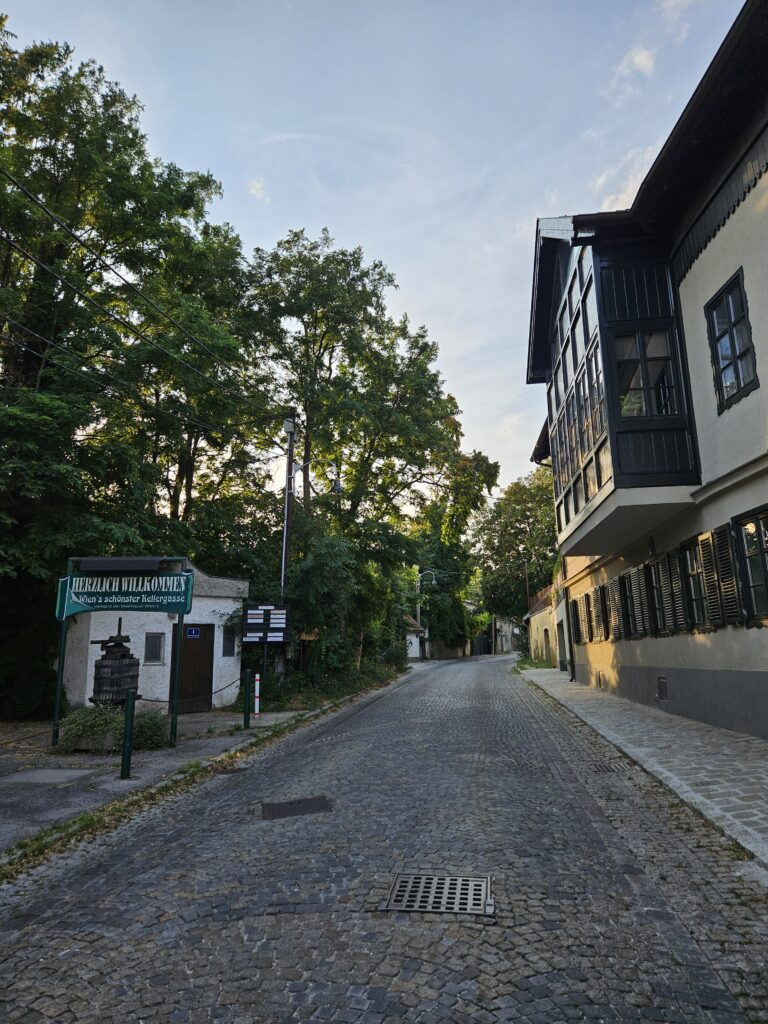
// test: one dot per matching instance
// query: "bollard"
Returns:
(247, 699)
(130, 707)
(256, 693)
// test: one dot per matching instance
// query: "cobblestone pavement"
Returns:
(723, 773)
(615, 901)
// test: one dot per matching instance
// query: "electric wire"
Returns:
(118, 319)
(129, 284)
(97, 376)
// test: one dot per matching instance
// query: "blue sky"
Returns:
(431, 132)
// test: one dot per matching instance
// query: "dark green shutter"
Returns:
(618, 627)
(598, 613)
(711, 585)
(676, 584)
(729, 586)
(575, 628)
(666, 595)
(640, 600)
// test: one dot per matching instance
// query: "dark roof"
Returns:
(541, 450)
(727, 110)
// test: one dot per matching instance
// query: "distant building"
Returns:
(211, 652)
(649, 328)
(416, 639)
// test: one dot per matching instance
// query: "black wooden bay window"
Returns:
(645, 376)
(730, 339)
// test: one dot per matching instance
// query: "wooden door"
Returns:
(196, 667)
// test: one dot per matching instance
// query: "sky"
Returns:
(432, 133)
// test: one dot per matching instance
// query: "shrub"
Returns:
(100, 729)
(150, 730)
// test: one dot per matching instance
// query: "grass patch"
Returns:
(531, 663)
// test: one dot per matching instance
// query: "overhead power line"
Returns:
(119, 320)
(129, 284)
(99, 376)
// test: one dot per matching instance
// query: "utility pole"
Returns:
(289, 426)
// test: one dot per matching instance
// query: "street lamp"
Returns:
(289, 427)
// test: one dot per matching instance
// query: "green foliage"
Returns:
(127, 432)
(100, 728)
(514, 537)
(150, 730)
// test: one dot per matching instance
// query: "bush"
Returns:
(150, 730)
(100, 729)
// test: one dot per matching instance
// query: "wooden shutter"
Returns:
(666, 595)
(726, 572)
(575, 627)
(711, 584)
(583, 620)
(617, 611)
(640, 600)
(597, 610)
(678, 598)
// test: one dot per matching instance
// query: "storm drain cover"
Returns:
(293, 808)
(613, 766)
(442, 894)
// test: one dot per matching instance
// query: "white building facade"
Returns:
(211, 648)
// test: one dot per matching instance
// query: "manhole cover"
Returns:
(292, 808)
(442, 894)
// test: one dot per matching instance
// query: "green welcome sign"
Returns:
(138, 592)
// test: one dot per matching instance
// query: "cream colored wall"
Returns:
(727, 650)
(538, 623)
(741, 432)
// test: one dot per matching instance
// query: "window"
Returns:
(228, 642)
(656, 598)
(730, 338)
(605, 611)
(590, 481)
(590, 311)
(644, 372)
(694, 585)
(583, 413)
(754, 537)
(628, 606)
(573, 295)
(604, 468)
(597, 395)
(154, 648)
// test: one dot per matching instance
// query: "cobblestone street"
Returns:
(614, 901)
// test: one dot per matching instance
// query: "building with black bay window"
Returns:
(649, 328)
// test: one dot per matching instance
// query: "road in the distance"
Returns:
(614, 901)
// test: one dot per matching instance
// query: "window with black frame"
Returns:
(694, 584)
(655, 597)
(645, 374)
(730, 338)
(754, 538)
(628, 604)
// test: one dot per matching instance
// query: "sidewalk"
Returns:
(722, 773)
(39, 787)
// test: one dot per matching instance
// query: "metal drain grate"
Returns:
(442, 894)
(613, 766)
(293, 808)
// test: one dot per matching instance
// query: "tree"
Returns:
(517, 535)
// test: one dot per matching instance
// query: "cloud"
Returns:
(672, 16)
(258, 188)
(618, 184)
(638, 61)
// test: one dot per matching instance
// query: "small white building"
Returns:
(210, 675)
(416, 639)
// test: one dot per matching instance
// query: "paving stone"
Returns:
(614, 900)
